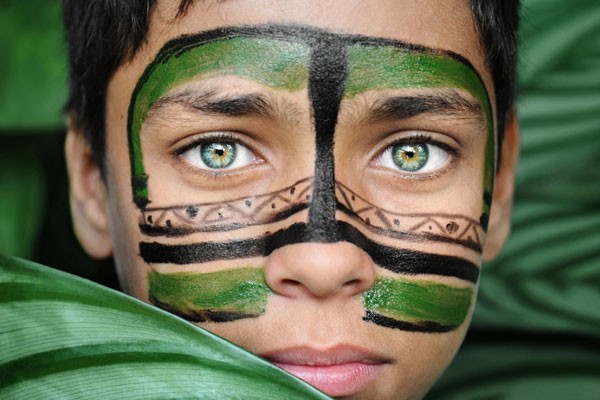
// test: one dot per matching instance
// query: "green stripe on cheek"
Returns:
(274, 63)
(385, 67)
(419, 302)
(242, 291)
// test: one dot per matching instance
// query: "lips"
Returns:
(339, 371)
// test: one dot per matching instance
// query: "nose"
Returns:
(319, 270)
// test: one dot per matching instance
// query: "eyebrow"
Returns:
(212, 102)
(403, 107)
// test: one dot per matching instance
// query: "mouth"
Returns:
(338, 371)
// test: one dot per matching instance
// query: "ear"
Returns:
(87, 196)
(500, 214)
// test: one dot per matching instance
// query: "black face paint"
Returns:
(331, 58)
(243, 212)
(388, 322)
(228, 215)
(397, 260)
(328, 68)
(204, 315)
(444, 228)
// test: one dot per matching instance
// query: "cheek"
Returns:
(124, 215)
(125, 235)
(427, 359)
(220, 296)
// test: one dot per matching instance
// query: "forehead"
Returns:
(445, 25)
(291, 57)
(282, 57)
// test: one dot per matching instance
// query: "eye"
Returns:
(219, 155)
(414, 157)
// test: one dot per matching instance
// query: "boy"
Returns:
(312, 181)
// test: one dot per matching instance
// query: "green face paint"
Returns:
(242, 292)
(217, 296)
(378, 67)
(329, 67)
(274, 63)
(418, 303)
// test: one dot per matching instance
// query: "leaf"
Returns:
(547, 277)
(22, 196)
(517, 367)
(63, 337)
(33, 71)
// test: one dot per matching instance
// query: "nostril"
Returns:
(353, 282)
(355, 286)
(290, 282)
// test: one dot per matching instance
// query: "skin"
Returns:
(323, 286)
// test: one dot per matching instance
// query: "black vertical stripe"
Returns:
(327, 75)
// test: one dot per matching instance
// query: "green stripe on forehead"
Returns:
(380, 67)
(385, 67)
(274, 63)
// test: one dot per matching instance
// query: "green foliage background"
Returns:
(536, 328)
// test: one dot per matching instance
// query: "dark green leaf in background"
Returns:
(33, 66)
(548, 276)
(21, 196)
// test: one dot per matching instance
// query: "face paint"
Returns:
(227, 215)
(279, 205)
(216, 296)
(326, 87)
(376, 66)
(447, 228)
(397, 260)
(331, 68)
(417, 305)
(207, 56)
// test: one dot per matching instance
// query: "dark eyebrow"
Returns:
(402, 107)
(211, 103)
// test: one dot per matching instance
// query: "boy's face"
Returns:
(311, 180)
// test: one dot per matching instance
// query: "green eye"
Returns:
(415, 158)
(410, 157)
(218, 155)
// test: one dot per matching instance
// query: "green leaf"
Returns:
(33, 71)
(547, 277)
(22, 196)
(506, 367)
(63, 337)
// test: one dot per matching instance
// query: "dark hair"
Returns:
(104, 34)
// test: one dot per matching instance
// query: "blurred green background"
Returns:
(536, 329)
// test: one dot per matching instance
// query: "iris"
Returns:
(410, 157)
(218, 155)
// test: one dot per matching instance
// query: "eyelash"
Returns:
(207, 138)
(424, 137)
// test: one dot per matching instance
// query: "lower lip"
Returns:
(336, 380)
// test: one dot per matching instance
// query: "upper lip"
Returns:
(336, 355)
